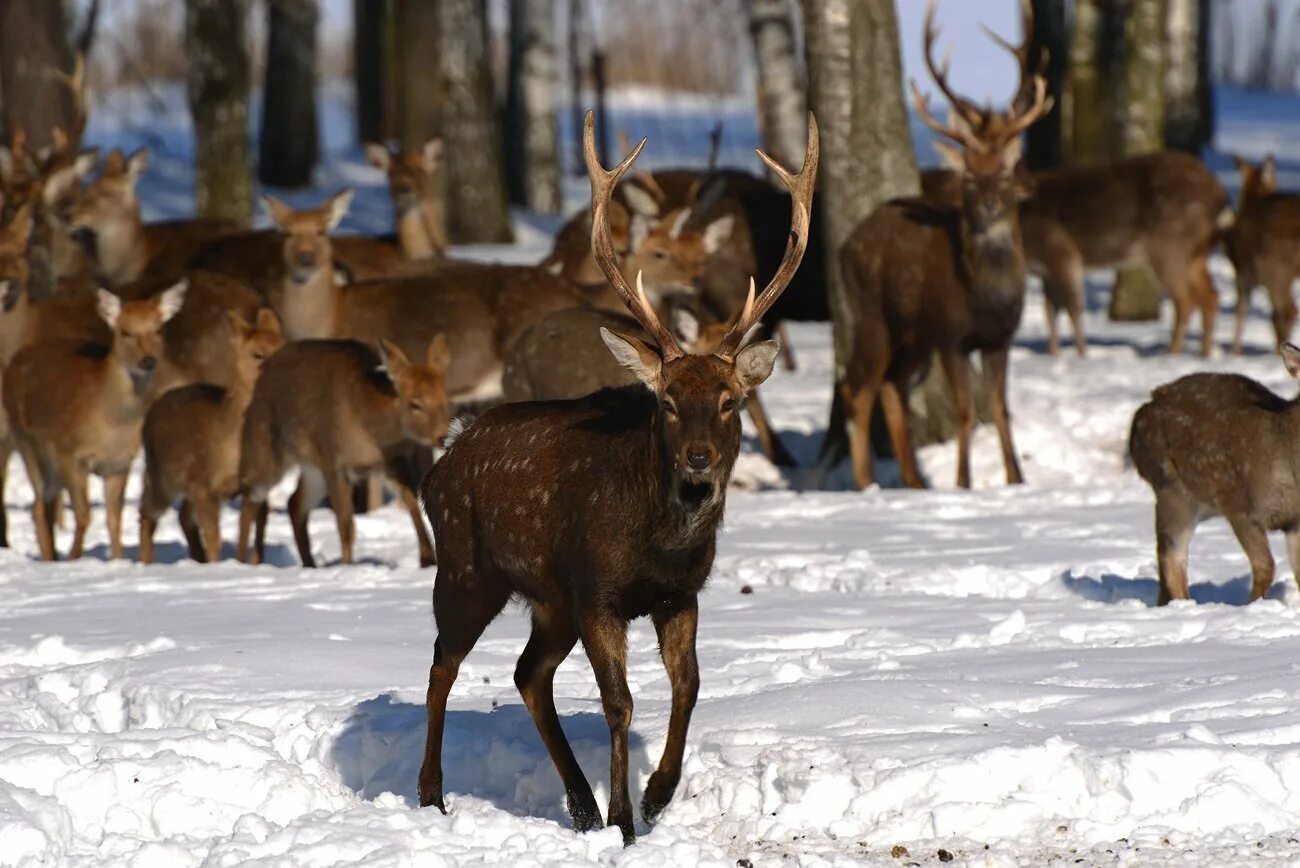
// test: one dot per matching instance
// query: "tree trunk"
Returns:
(1094, 109)
(34, 43)
(477, 211)
(1043, 141)
(1137, 292)
(288, 147)
(218, 96)
(782, 105)
(1189, 120)
(532, 134)
(370, 53)
(856, 91)
(417, 84)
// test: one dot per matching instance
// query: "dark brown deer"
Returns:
(1220, 444)
(562, 356)
(1264, 246)
(625, 491)
(925, 277)
(415, 184)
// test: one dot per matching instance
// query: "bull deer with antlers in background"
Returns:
(622, 495)
(928, 277)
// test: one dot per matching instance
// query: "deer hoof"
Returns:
(585, 814)
(432, 797)
(658, 793)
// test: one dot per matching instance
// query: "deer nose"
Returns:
(148, 363)
(697, 462)
(305, 260)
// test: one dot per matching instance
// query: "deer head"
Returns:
(137, 325)
(254, 342)
(412, 175)
(698, 396)
(421, 388)
(987, 152)
(110, 199)
(1258, 180)
(307, 246)
(15, 264)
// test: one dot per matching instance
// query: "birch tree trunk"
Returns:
(287, 148)
(218, 96)
(33, 42)
(532, 134)
(782, 106)
(1189, 113)
(477, 211)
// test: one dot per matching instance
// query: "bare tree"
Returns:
(1189, 111)
(417, 85)
(1048, 51)
(532, 131)
(370, 55)
(477, 211)
(218, 96)
(33, 45)
(288, 148)
(781, 100)
(1093, 109)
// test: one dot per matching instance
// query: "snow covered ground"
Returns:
(889, 677)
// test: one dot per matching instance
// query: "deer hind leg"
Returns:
(1278, 284)
(995, 364)
(207, 512)
(412, 504)
(956, 367)
(75, 479)
(462, 609)
(1253, 537)
(1245, 286)
(553, 637)
(860, 403)
(676, 630)
(787, 350)
(311, 486)
(1050, 312)
(773, 448)
(1293, 552)
(340, 493)
(193, 530)
(1176, 517)
(893, 398)
(114, 502)
(1206, 297)
(604, 635)
(407, 470)
(44, 479)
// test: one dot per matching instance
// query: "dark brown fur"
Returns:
(1264, 247)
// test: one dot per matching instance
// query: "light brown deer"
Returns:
(416, 186)
(597, 511)
(191, 442)
(1220, 444)
(339, 411)
(1264, 247)
(925, 277)
(125, 247)
(77, 409)
(562, 357)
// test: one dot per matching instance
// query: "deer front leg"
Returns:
(676, 630)
(956, 367)
(114, 500)
(604, 634)
(995, 364)
(340, 492)
(75, 479)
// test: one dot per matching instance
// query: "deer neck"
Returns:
(994, 259)
(310, 308)
(686, 515)
(417, 231)
(124, 394)
(122, 249)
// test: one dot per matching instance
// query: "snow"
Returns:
(975, 676)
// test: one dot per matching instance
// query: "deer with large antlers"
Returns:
(927, 277)
(624, 493)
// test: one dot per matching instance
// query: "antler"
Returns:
(69, 140)
(801, 188)
(602, 245)
(965, 107)
(1023, 53)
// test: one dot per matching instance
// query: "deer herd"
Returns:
(613, 372)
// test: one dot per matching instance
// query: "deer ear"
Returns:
(338, 207)
(433, 153)
(950, 157)
(717, 233)
(1268, 172)
(267, 321)
(378, 156)
(59, 184)
(171, 301)
(278, 211)
(109, 306)
(395, 360)
(9, 294)
(640, 200)
(85, 162)
(686, 325)
(636, 356)
(1011, 153)
(754, 364)
(1291, 358)
(638, 231)
(136, 165)
(438, 356)
(239, 326)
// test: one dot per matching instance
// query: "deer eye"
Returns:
(661, 254)
(728, 404)
(258, 356)
(670, 408)
(416, 407)
(124, 333)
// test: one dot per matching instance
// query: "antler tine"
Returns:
(602, 245)
(801, 187)
(75, 82)
(1023, 53)
(968, 109)
(1041, 105)
(962, 135)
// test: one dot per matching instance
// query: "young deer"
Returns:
(415, 184)
(1220, 444)
(562, 357)
(1264, 246)
(340, 412)
(925, 277)
(191, 442)
(622, 495)
(125, 247)
(77, 409)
